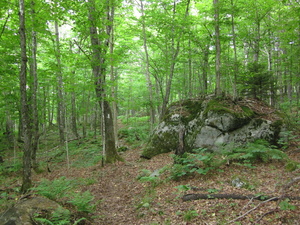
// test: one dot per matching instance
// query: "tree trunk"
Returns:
(113, 88)
(34, 90)
(205, 66)
(73, 115)
(60, 95)
(147, 74)
(218, 48)
(25, 115)
(99, 49)
(9, 130)
(235, 68)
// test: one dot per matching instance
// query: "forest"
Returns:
(85, 82)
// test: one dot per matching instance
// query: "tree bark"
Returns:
(218, 47)
(25, 114)
(114, 86)
(235, 68)
(147, 74)
(73, 115)
(99, 49)
(60, 90)
(34, 90)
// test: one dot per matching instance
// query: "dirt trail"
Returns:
(120, 190)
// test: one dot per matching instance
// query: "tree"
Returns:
(218, 47)
(98, 61)
(34, 89)
(147, 70)
(25, 113)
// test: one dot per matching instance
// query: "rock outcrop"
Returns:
(212, 122)
(25, 210)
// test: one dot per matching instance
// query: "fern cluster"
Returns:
(202, 161)
(63, 190)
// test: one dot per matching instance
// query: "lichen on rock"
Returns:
(211, 122)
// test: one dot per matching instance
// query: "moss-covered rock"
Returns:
(209, 122)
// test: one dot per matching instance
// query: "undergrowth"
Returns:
(201, 161)
(64, 191)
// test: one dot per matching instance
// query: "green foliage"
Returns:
(8, 167)
(55, 189)
(60, 216)
(88, 157)
(63, 188)
(256, 82)
(286, 205)
(202, 162)
(292, 165)
(136, 133)
(259, 150)
(199, 161)
(151, 177)
(286, 138)
(83, 202)
(183, 188)
(188, 215)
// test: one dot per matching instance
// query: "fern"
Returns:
(55, 189)
(83, 202)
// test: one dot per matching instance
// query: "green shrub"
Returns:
(190, 215)
(60, 216)
(201, 161)
(83, 202)
(259, 150)
(55, 189)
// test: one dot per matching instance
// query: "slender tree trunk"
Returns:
(257, 40)
(73, 115)
(25, 114)
(9, 130)
(205, 67)
(175, 48)
(60, 90)
(218, 48)
(147, 74)
(34, 90)
(235, 69)
(113, 88)
(190, 73)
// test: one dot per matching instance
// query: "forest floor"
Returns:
(123, 199)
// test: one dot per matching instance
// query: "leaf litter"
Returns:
(123, 199)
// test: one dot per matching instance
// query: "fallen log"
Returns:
(190, 197)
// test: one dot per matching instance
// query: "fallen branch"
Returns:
(249, 211)
(190, 197)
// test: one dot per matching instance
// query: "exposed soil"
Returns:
(125, 200)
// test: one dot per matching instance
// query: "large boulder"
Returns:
(211, 122)
(26, 209)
